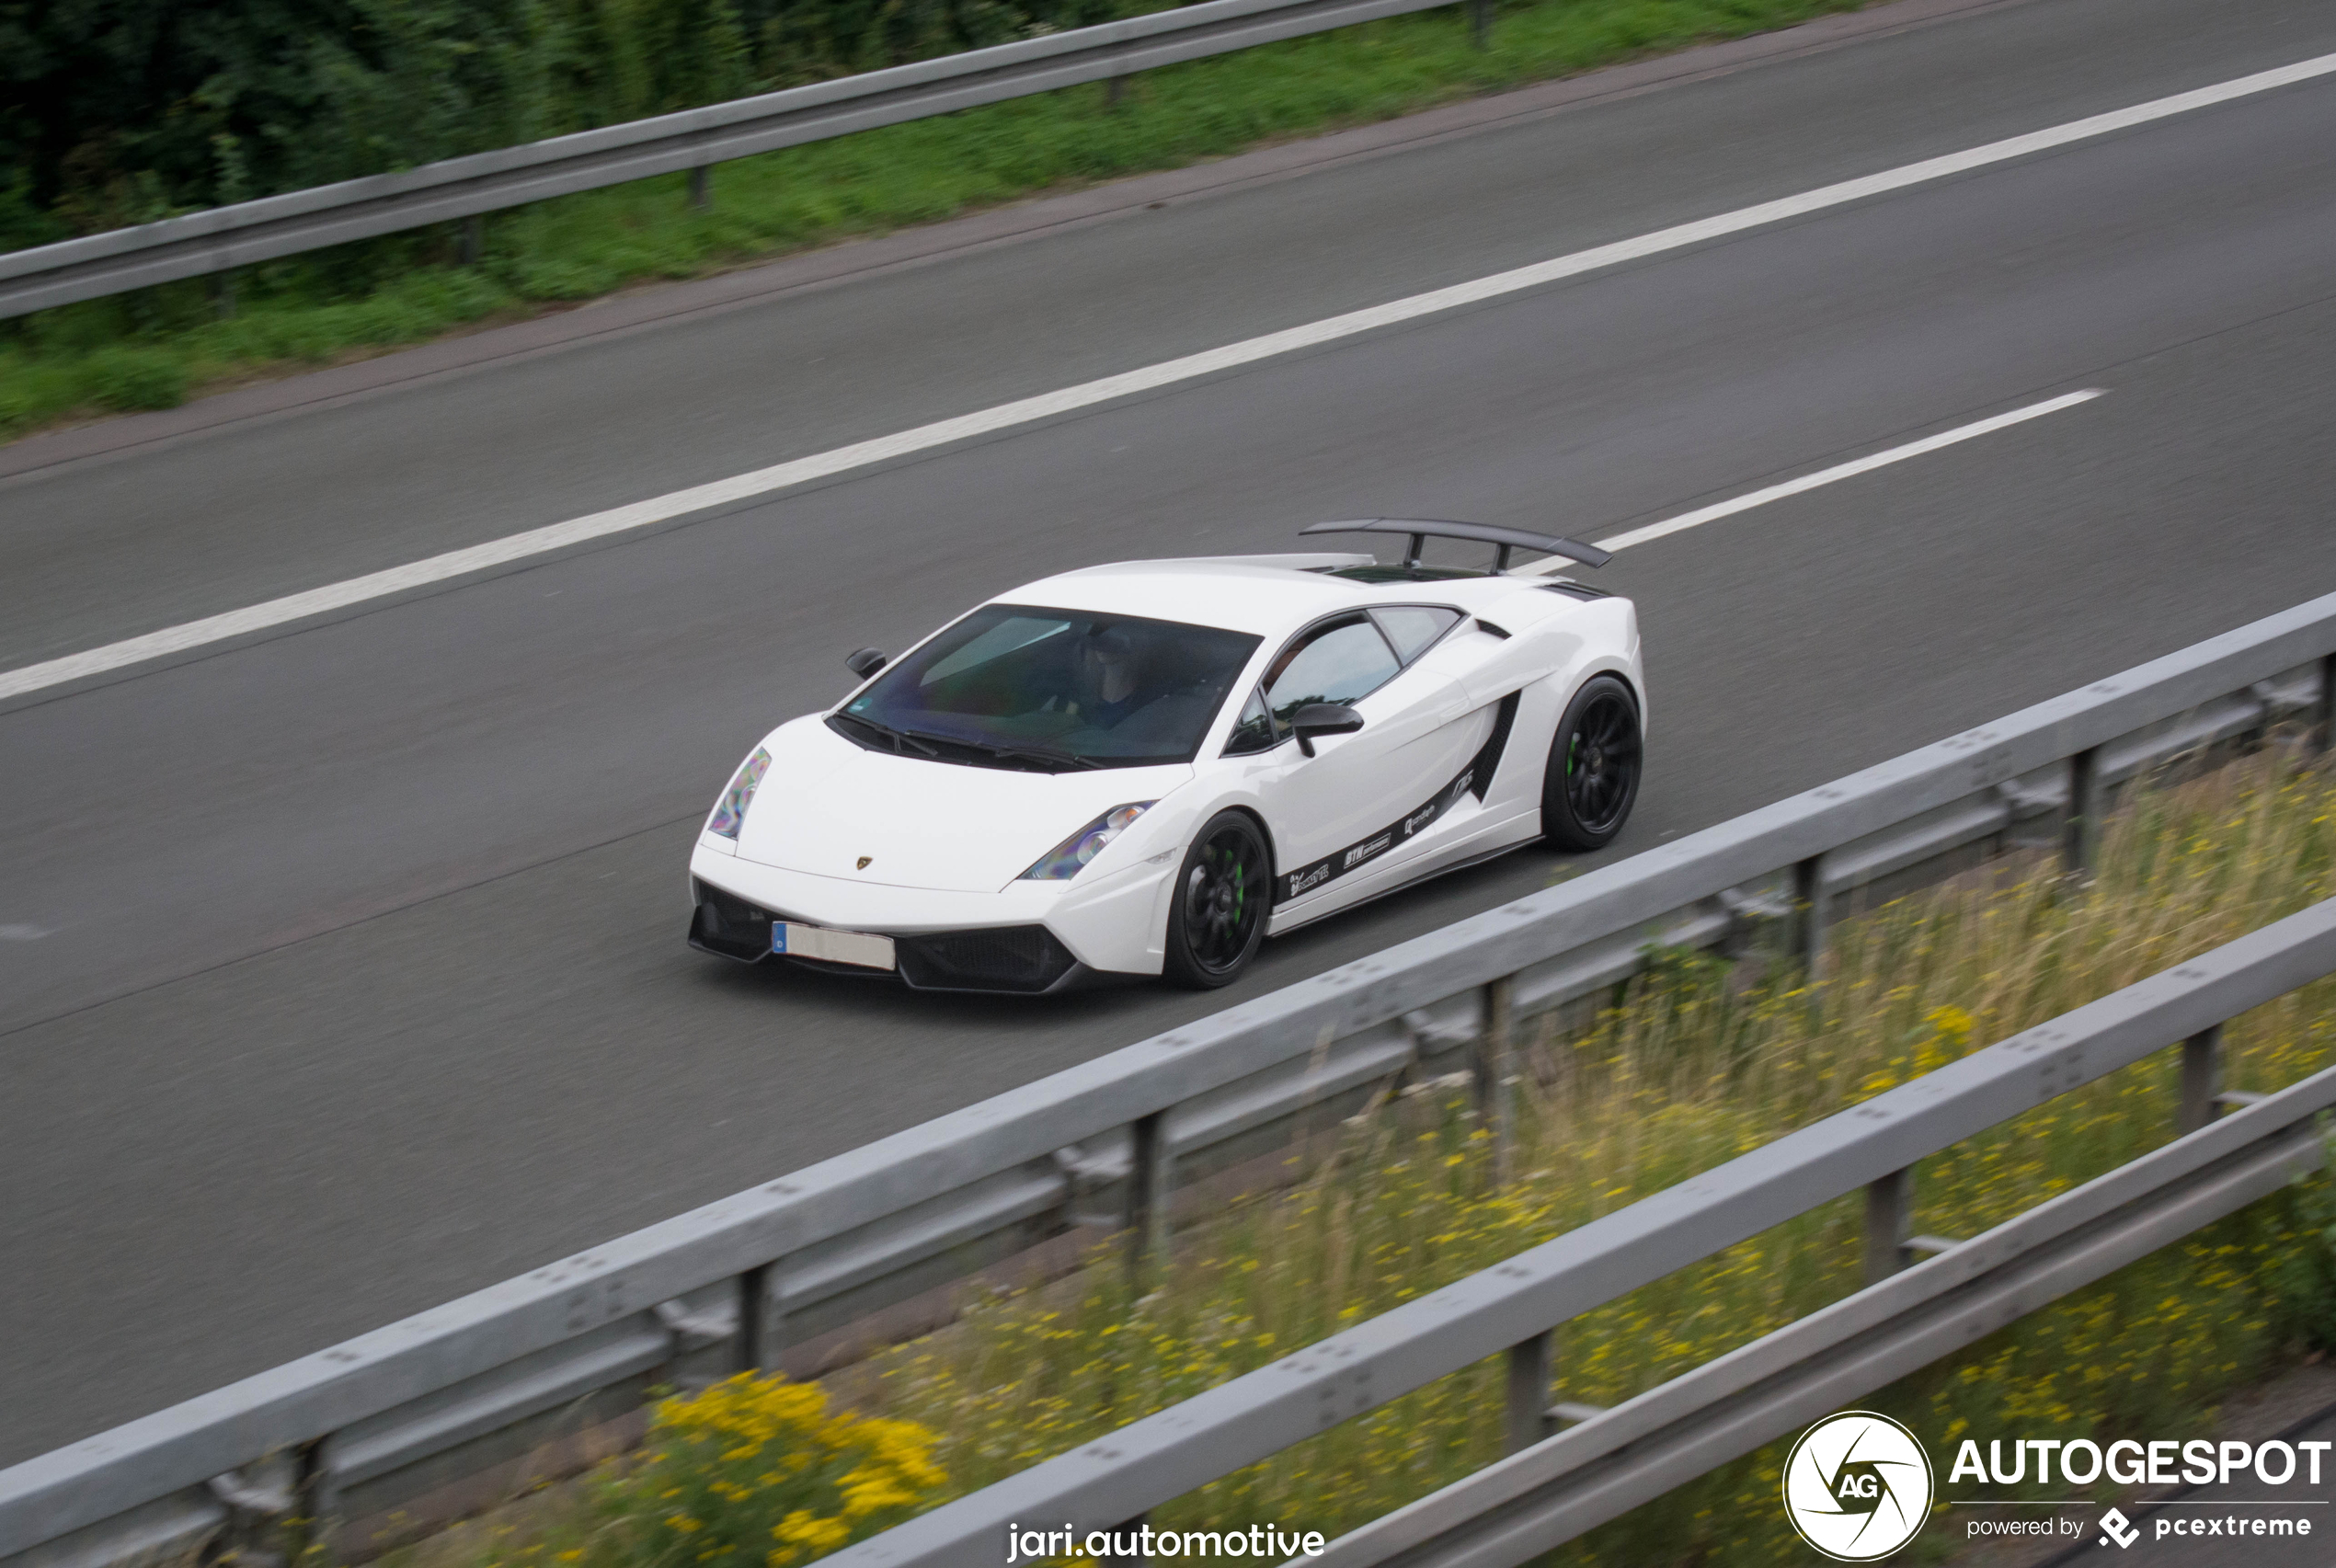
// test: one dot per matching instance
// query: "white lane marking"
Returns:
(1028, 410)
(1850, 470)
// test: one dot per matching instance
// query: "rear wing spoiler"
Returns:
(1421, 529)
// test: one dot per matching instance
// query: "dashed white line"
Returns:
(454, 563)
(1850, 470)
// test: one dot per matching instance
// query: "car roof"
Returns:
(1267, 594)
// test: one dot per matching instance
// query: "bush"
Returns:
(126, 111)
(127, 379)
(756, 1472)
(2308, 1270)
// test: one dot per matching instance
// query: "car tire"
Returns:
(1216, 912)
(1592, 779)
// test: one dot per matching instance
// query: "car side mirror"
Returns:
(865, 662)
(1323, 718)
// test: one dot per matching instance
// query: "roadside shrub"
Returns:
(2309, 1269)
(758, 1472)
(129, 379)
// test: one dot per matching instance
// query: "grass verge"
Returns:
(156, 347)
(1687, 1067)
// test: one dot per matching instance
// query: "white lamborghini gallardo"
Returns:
(1147, 767)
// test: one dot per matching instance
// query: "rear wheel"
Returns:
(1217, 917)
(1593, 776)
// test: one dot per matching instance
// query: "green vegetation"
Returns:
(1688, 1066)
(121, 111)
(760, 1471)
(152, 347)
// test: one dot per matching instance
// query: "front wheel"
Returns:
(1593, 776)
(1217, 917)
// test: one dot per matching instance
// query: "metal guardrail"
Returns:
(1635, 1452)
(225, 237)
(378, 1420)
(1558, 1486)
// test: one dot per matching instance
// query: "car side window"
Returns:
(1341, 662)
(1413, 628)
(1253, 731)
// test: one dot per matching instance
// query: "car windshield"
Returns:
(1016, 686)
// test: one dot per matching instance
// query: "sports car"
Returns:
(1147, 767)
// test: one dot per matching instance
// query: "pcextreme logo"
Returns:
(1857, 1486)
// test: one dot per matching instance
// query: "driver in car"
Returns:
(1110, 676)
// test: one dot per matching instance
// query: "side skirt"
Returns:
(1275, 928)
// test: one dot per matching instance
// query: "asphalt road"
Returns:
(342, 973)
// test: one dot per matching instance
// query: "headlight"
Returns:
(1083, 846)
(729, 812)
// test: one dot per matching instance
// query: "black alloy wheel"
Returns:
(1593, 777)
(1222, 893)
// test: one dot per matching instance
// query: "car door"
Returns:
(1360, 797)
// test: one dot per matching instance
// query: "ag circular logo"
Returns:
(1857, 1486)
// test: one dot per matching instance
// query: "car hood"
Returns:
(826, 805)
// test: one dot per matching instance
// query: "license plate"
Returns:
(864, 948)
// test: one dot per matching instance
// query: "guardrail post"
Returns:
(1151, 1176)
(1496, 1065)
(1889, 1221)
(2080, 828)
(286, 1516)
(471, 241)
(1480, 23)
(2326, 737)
(762, 1318)
(701, 187)
(223, 295)
(1809, 912)
(315, 1500)
(1115, 91)
(2202, 1072)
(1528, 1406)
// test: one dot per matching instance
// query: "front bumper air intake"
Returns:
(727, 926)
(1024, 958)
(1016, 959)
